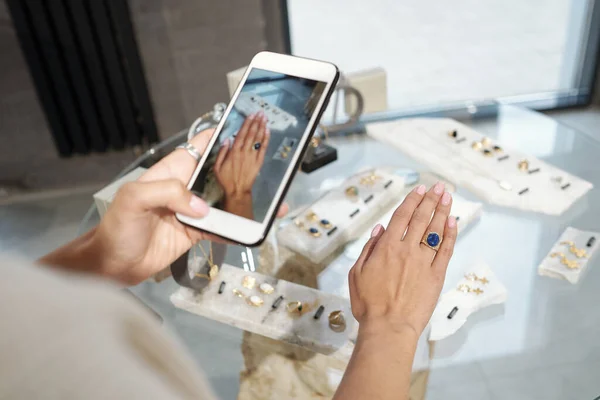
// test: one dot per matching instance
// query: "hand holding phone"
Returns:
(258, 145)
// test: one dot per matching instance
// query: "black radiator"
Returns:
(85, 65)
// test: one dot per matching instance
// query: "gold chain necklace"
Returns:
(214, 269)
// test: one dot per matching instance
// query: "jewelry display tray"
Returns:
(304, 331)
(276, 323)
(348, 215)
(552, 266)
(496, 179)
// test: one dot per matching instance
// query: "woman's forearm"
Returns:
(81, 255)
(381, 365)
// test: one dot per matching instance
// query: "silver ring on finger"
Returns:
(192, 151)
(433, 240)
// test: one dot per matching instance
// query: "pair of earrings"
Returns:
(570, 264)
(579, 253)
(369, 180)
(485, 145)
(249, 282)
(472, 277)
(468, 289)
(312, 217)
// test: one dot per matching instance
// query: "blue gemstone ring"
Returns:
(432, 240)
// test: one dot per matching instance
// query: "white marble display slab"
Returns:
(497, 180)
(350, 216)
(552, 267)
(304, 330)
(492, 292)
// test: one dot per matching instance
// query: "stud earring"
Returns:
(579, 253)
(249, 282)
(453, 133)
(497, 149)
(311, 216)
(314, 232)
(523, 165)
(476, 145)
(487, 153)
(570, 264)
(255, 301)
(299, 223)
(325, 223)
(486, 141)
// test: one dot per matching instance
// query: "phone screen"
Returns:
(261, 134)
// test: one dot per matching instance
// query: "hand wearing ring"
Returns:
(397, 279)
(238, 164)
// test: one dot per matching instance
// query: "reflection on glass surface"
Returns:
(252, 154)
(547, 328)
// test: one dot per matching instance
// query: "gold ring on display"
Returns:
(477, 145)
(352, 191)
(337, 322)
(294, 307)
(266, 288)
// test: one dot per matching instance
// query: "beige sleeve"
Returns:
(65, 337)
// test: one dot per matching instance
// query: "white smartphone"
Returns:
(258, 145)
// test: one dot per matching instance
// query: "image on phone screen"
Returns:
(249, 160)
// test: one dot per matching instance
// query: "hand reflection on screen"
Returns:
(238, 165)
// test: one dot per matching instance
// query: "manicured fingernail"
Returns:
(438, 188)
(267, 132)
(198, 205)
(420, 189)
(451, 222)
(265, 117)
(225, 142)
(446, 198)
(376, 231)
